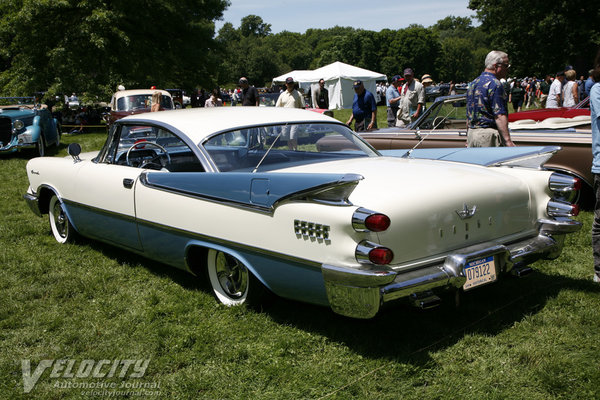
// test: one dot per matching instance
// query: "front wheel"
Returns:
(40, 146)
(231, 281)
(61, 227)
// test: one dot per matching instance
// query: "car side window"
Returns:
(151, 147)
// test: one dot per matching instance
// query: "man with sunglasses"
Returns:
(487, 111)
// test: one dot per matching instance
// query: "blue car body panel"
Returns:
(258, 190)
(483, 156)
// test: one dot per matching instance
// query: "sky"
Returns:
(373, 15)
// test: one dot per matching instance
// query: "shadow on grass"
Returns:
(401, 332)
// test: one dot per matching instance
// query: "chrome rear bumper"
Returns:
(359, 293)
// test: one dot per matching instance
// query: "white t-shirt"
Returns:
(553, 94)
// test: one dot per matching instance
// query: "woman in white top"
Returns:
(570, 96)
(214, 100)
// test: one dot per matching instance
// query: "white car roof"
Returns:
(198, 123)
(133, 92)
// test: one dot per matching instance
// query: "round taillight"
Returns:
(574, 210)
(381, 255)
(577, 184)
(377, 222)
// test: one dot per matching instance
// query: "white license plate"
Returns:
(479, 272)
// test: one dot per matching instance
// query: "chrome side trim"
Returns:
(359, 219)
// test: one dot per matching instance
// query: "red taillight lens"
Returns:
(377, 222)
(575, 210)
(381, 255)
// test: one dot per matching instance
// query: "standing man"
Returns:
(544, 90)
(554, 95)
(320, 97)
(392, 100)
(487, 112)
(595, 114)
(412, 101)
(249, 93)
(292, 99)
(364, 109)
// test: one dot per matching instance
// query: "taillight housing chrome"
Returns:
(364, 220)
(557, 208)
(372, 253)
(564, 187)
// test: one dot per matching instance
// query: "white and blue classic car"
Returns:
(226, 194)
(26, 126)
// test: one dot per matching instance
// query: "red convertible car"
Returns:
(583, 108)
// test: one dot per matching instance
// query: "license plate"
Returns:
(479, 272)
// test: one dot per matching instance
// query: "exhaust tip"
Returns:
(425, 300)
(521, 271)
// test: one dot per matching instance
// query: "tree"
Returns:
(82, 46)
(540, 38)
(253, 25)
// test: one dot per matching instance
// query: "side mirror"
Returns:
(74, 150)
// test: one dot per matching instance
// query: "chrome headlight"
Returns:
(18, 124)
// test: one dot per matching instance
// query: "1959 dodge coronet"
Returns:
(224, 194)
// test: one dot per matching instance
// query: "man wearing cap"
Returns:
(555, 94)
(249, 93)
(292, 99)
(392, 100)
(364, 109)
(487, 111)
(412, 101)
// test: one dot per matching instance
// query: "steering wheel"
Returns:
(439, 123)
(153, 159)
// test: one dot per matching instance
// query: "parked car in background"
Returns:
(25, 125)
(581, 109)
(203, 190)
(136, 101)
(177, 95)
(444, 124)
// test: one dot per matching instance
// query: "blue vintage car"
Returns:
(24, 125)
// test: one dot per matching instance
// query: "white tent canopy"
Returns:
(338, 78)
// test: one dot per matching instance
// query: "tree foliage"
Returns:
(542, 37)
(92, 46)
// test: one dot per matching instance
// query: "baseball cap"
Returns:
(289, 80)
(357, 83)
(395, 78)
(408, 71)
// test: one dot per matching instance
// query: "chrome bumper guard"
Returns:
(360, 292)
(32, 202)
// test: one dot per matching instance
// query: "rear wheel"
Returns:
(231, 281)
(61, 227)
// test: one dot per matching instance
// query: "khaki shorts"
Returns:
(484, 137)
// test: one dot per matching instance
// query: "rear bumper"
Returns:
(359, 293)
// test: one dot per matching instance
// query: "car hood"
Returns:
(424, 198)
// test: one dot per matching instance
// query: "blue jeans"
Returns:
(596, 224)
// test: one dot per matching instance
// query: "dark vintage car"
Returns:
(177, 95)
(25, 125)
(136, 101)
(582, 108)
(444, 124)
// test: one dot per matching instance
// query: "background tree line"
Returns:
(91, 47)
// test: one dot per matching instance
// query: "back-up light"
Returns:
(564, 187)
(364, 220)
(557, 208)
(372, 253)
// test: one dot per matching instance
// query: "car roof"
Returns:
(133, 92)
(199, 123)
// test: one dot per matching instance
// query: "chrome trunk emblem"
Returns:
(466, 212)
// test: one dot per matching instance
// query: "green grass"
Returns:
(531, 338)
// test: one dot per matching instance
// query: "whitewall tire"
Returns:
(61, 227)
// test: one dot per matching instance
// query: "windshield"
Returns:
(447, 114)
(266, 148)
(141, 101)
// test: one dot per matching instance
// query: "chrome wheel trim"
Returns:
(228, 277)
(58, 220)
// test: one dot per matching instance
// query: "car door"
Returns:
(107, 188)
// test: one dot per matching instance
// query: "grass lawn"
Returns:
(531, 338)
